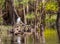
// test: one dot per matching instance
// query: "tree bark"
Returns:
(10, 16)
(24, 14)
(42, 24)
(58, 20)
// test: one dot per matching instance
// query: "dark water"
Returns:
(50, 37)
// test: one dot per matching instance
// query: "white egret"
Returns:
(18, 20)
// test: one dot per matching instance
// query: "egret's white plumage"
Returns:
(18, 20)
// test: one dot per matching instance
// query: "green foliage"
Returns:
(30, 16)
(51, 36)
(51, 6)
(2, 3)
(1, 20)
(40, 5)
(51, 19)
(24, 2)
(16, 3)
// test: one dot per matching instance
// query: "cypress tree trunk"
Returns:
(10, 16)
(58, 25)
(42, 25)
(24, 14)
(27, 11)
(58, 20)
